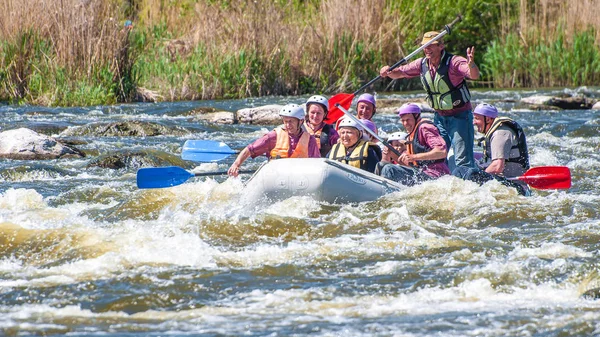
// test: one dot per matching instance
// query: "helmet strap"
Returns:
(485, 124)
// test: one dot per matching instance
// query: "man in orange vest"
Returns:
(288, 141)
(425, 155)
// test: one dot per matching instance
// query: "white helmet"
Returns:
(318, 99)
(292, 110)
(397, 136)
(349, 122)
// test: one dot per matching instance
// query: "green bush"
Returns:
(251, 64)
(542, 62)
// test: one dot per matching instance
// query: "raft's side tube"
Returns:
(319, 178)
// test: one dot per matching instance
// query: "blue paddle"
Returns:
(159, 177)
(205, 150)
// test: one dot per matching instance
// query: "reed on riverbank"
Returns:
(77, 52)
(553, 43)
(67, 52)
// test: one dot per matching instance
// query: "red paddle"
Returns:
(547, 177)
(334, 113)
(345, 100)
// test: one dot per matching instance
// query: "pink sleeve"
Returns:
(430, 135)
(263, 145)
(412, 69)
(459, 69)
(313, 149)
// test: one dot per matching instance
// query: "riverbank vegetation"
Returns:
(77, 52)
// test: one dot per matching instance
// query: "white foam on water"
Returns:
(39, 282)
(135, 247)
(384, 268)
(475, 300)
(396, 217)
(169, 245)
(44, 312)
(10, 264)
(549, 250)
(470, 296)
(28, 209)
(21, 200)
(544, 157)
(465, 255)
(297, 207)
(120, 247)
(206, 167)
(346, 246)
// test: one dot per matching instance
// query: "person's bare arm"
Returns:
(496, 167)
(241, 158)
(433, 154)
(394, 74)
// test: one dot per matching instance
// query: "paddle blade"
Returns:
(333, 114)
(548, 177)
(159, 177)
(205, 150)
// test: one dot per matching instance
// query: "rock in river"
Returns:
(263, 115)
(26, 144)
(136, 159)
(124, 129)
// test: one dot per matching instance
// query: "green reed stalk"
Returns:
(69, 52)
(544, 63)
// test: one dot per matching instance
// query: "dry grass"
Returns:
(545, 18)
(552, 43)
(244, 47)
(308, 38)
(83, 33)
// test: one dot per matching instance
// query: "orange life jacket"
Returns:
(413, 146)
(283, 145)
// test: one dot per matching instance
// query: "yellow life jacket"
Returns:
(358, 157)
(282, 145)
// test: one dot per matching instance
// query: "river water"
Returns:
(84, 252)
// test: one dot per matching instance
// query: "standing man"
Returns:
(443, 77)
(425, 155)
(505, 153)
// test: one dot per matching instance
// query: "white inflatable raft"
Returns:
(319, 178)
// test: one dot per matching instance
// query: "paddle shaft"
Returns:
(447, 30)
(220, 173)
(369, 131)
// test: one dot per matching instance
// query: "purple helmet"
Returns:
(367, 98)
(409, 108)
(371, 127)
(486, 110)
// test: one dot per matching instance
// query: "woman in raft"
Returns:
(352, 149)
